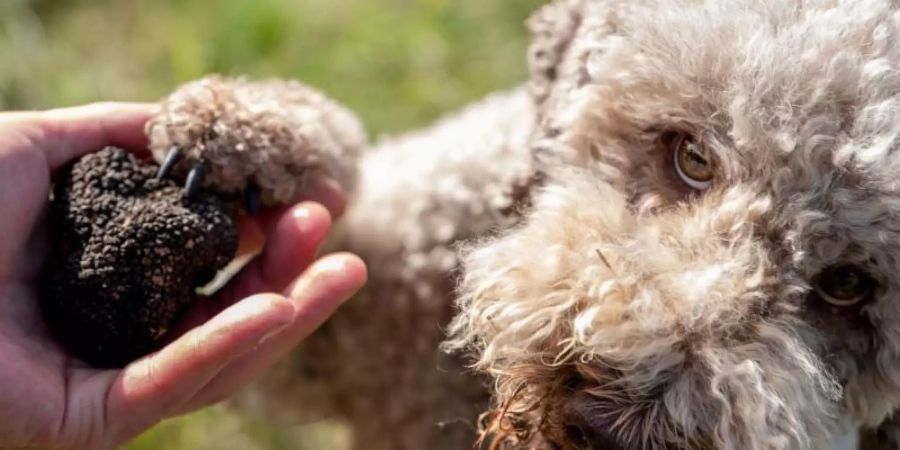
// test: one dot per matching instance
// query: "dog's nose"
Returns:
(589, 438)
(586, 429)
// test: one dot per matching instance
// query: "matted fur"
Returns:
(601, 302)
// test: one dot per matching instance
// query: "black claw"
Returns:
(251, 199)
(195, 179)
(171, 159)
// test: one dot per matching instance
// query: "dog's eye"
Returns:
(693, 163)
(844, 285)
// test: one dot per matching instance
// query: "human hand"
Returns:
(48, 399)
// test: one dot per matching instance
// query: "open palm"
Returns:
(48, 399)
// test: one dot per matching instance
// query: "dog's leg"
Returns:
(377, 362)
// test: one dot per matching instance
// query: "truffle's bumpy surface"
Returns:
(127, 252)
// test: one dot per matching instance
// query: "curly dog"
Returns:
(683, 233)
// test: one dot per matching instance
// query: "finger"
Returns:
(259, 226)
(150, 389)
(321, 190)
(254, 228)
(71, 132)
(316, 295)
(291, 248)
(327, 192)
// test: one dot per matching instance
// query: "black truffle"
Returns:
(128, 251)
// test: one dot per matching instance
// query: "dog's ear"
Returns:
(552, 29)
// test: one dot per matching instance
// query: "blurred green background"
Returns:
(397, 63)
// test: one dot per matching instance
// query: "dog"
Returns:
(682, 233)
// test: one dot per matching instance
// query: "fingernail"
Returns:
(311, 221)
(273, 333)
(328, 193)
(325, 276)
(337, 269)
(301, 212)
(331, 265)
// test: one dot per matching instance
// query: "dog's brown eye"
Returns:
(693, 163)
(844, 285)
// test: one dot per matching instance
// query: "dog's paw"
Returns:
(260, 138)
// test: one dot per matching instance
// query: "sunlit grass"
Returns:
(397, 63)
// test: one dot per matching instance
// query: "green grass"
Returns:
(397, 63)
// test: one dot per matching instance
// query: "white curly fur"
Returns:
(608, 303)
(703, 315)
(668, 310)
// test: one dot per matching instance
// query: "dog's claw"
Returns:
(195, 179)
(171, 159)
(251, 199)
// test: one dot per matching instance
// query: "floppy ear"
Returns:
(552, 29)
